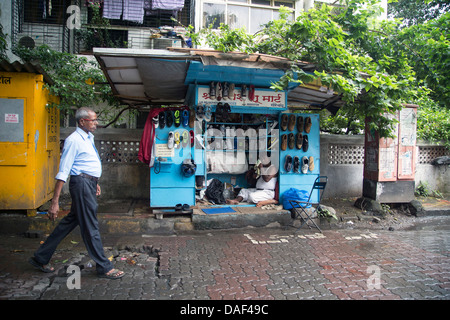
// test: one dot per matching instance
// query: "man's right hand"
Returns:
(54, 206)
(53, 211)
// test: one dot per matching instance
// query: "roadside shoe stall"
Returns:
(222, 118)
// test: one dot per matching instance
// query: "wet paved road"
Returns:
(272, 264)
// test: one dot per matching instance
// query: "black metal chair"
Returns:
(299, 208)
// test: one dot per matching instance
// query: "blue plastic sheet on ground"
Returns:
(218, 210)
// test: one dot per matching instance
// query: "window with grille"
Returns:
(146, 13)
(248, 14)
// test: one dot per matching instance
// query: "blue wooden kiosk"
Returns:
(180, 80)
(261, 115)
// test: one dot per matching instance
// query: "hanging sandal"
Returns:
(176, 139)
(244, 91)
(112, 274)
(162, 119)
(288, 163)
(225, 91)
(231, 92)
(177, 117)
(185, 138)
(300, 124)
(284, 122)
(291, 123)
(291, 140)
(191, 118)
(308, 124)
(191, 133)
(219, 111)
(311, 164)
(305, 144)
(251, 93)
(170, 140)
(226, 112)
(169, 118)
(296, 164)
(212, 91)
(185, 118)
(305, 165)
(200, 115)
(218, 91)
(283, 142)
(299, 140)
(208, 114)
(156, 121)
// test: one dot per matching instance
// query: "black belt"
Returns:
(84, 175)
(265, 189)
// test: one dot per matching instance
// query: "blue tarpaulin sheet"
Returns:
(218, 210)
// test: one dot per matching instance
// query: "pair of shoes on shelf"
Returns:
(305, 165)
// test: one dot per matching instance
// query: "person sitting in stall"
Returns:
(266, 191)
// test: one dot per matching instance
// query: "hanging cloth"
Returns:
(168, 4)
(112, 9)
(147, 143)
(133, 10)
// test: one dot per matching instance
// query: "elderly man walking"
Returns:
(81, 161)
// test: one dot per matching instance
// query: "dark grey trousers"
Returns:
(83, 213)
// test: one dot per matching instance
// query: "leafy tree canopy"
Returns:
(429, 54)
(413, 12)
(353, 54)
(374, 65)
(74, 77)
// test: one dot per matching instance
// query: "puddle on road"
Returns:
(431, 224)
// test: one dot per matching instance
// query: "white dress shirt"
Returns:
(79, 156)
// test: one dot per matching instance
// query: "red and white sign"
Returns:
(11, 118)
(262, 98)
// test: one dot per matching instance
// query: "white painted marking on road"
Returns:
(274, 239)
(369, 235)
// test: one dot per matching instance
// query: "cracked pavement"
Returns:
(242, 264)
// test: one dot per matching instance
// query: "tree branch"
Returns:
(118, 115)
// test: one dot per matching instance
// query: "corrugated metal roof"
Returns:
(17, 66)
(157, 76)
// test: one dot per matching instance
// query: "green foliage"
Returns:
(433, 122)
(74, 77)
(224, 39)
(98, 33)
(325, 213)
(414, 12)
(342, 122)
(429, 54)
(423, 190)
(3, 44)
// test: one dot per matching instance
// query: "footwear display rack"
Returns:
(172, 146)
(254, 139)
(295, 142)
(299, 151)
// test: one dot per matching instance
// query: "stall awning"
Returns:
(162, 77)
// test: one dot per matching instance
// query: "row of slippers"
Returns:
(205, 113)
(290, 140)
(289, 121)
(217, 91)
(294, 164)
(176, 140)
(178, 117)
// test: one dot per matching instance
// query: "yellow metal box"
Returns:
(29, 141)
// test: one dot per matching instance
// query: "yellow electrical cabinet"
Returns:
(29, 141)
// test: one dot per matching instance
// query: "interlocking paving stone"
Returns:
(271, 264)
